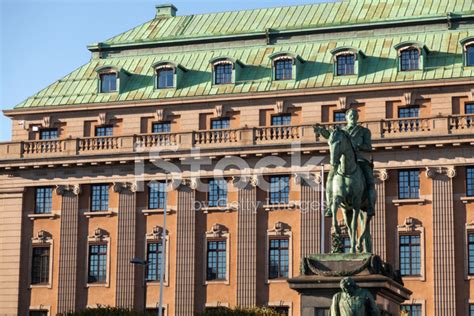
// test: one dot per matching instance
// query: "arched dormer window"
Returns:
(346, 61)
(111, 78)
(468, 51)
(411, 56)
(225, 70)
(285, 66)
(167, 74)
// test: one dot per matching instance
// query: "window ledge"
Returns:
(413, 278)
(467, 199)
(148, 212)
(469, 277)
(157, 283)
(38, 216)
(40, 286)
(99, 213)
(225, 208)
(398, 202)
(270, 281)
(224, 282)
(97, 285)
(280, 206)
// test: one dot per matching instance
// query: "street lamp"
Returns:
(142, 263)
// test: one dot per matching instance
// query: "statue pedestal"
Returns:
(321, 275)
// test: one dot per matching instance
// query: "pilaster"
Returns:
(378, 223)
(443, 241)
(310, 215)
(247, 244)
(67, 281)
(126, 245)
(185, 250)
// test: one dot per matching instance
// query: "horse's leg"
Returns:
(336, 240)
(365, 236)
(353, 230)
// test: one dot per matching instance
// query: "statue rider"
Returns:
(361, 142)
(353, 301)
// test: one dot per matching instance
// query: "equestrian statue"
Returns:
(350, 184)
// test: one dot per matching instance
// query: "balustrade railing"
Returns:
(402, 128)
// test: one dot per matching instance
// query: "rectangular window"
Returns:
(223, 73)
(321, 311)
(412, 309)
(103, 131)
(38, 313)
(281, 310)
(217, 195)
(108, 83)
(471, 309)
(470, 253)
(345, 64)
(156, 195)
(410, 255)
(216, 260)
(97, 263)
(165, 78)
(278, 120)
(154, 258)
(43, 200)
(409, 112)
(284, 69)
(279, 189)
(470, 55)
(154, 311)
(161, 127)
(40, 265)
(278, 258)
(409, 184)
(99, 197)
(222, 123)
(339, 117)
(50, 133)
(409, 59)
(470, 181)
(469, 108)
(346, 244)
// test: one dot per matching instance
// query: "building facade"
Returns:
(222, 105)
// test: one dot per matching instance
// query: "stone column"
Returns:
(126, 245)
(310, 215)
(378, 223)
(67, 280)
(443, 241)
(11, 206)
(247, 245)
(185, 250)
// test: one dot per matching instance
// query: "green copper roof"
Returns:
(287, 18)
(379, 66)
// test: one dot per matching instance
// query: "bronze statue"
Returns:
(350, 182)
(353, 301)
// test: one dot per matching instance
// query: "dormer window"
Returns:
(167, 74)
(346, 61)
(468, 50)
(225, 70)
(108, 82)
(411, 56)
(410, 59)
(285, 66)
(165, 77)
(111, 79)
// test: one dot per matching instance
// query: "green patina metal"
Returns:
(379, 63)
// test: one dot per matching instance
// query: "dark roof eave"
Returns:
(96, 47)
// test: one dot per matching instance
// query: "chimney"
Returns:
(165, 10)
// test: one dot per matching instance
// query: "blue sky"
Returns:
(43, 40)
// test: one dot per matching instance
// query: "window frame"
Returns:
(101, 81)
(100, 209)
(108, 129)
(219, 188)
(353, 67)
(221, 120)
(156, 236)
(42, 239)
(411, 261)
(105, 282)
(161, 195)
(41, 282)
(163, 68)
(279, 249)
(217, 251)
(282, 74)
(223, 77)
(469, 181)
(336, 113)
(159, 252)
(283, 197)
(48, 130)
(409, 196)
(45, 204)
(282, 117)
(411, 305)
(165, 127)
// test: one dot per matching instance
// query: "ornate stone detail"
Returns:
(471, 95)
(217, 231)
(220, 110)
(408, 98)
(381, 174)
(46, 122)
(102, 119)
(280, 228)
(191, 182)
(121, 187)
(342, 103)
(99, 235)
(160, 115)
(68, 188)
(410, 225)
(280, 107)
(253, 180)
(42, 237)
(156, 234)
(432, 172)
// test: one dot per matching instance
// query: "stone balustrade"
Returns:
(382, 130)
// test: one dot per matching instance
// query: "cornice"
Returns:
(420, 84)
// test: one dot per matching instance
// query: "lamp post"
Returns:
(143, 263)
(163, 240)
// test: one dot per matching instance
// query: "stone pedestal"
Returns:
(321, 274)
